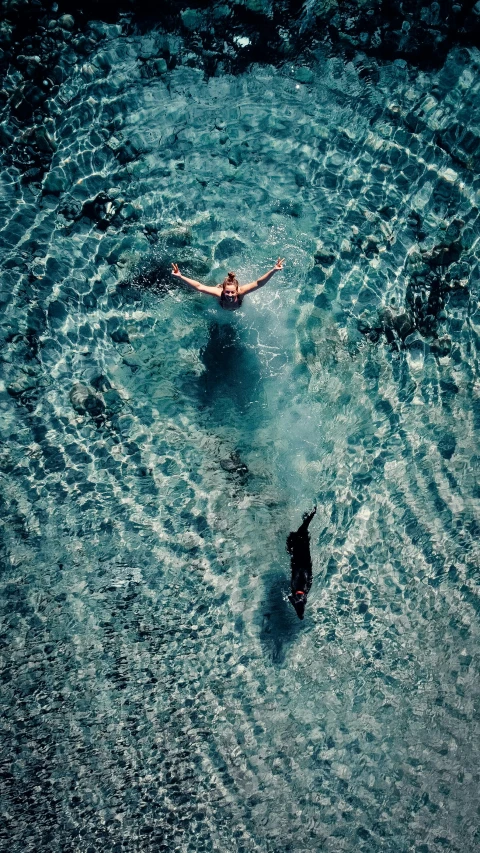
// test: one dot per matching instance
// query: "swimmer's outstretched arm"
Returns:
(254, 285)
(197, 285)
(306, 520)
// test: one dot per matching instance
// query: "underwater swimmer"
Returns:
(298, 546)
(230, 293)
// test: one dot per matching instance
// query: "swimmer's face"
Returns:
(230, 292)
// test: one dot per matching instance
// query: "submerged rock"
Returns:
(102, 210)
(432, 280)
(303, 74)
(54, 183)
(67, 22)
(71, 210)
(324, 258)
(21, 385)
(234, 465)
(447, 445)
(441, 347)
(114, 402)
(86, 402)
(228, 247)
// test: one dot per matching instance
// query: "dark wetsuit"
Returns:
(298, 546)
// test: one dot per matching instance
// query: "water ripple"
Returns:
(159, 693)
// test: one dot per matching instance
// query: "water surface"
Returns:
(159, 692)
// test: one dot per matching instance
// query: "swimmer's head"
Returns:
(230, 287)
(299, 600)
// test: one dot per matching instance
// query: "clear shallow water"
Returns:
(159, 692)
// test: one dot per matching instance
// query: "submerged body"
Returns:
(230, 293)
(298, 546)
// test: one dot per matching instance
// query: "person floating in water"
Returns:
(298, 546)
(230, 293)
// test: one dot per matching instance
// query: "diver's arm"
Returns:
(197, 285)
(306, 520)
(254, 285)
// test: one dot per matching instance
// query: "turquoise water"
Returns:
(158, 691)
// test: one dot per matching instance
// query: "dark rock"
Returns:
(126, 153)
(67, 22)
(90, 301)
(83, 45)
(448, 388)
(363, 326)
(6, 134)
(324, 258)
(100, 383)
(120, 336)
(113, 401)
(414, 221)
(415, 342)
(371, 248)
(366, 295)
(71, 210)
(447, 445)
(441, 347)
(44, 141)
(211, 34)
(102, 210)
(403, 325)
(459, 297)
(85, 401)
(22, 384)
(57, 312)
(388, 212)
(234, 465)
(192, 19)
(160, 66)
(443, 255)
(235, 156)
(303, 74)
(228, 247)
(322, 301)
(54, 183)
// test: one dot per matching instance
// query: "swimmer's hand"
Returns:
(254, 285)
(176, 271)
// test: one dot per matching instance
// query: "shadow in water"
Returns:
(153, 274)
(280, 625)
(231, 384)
